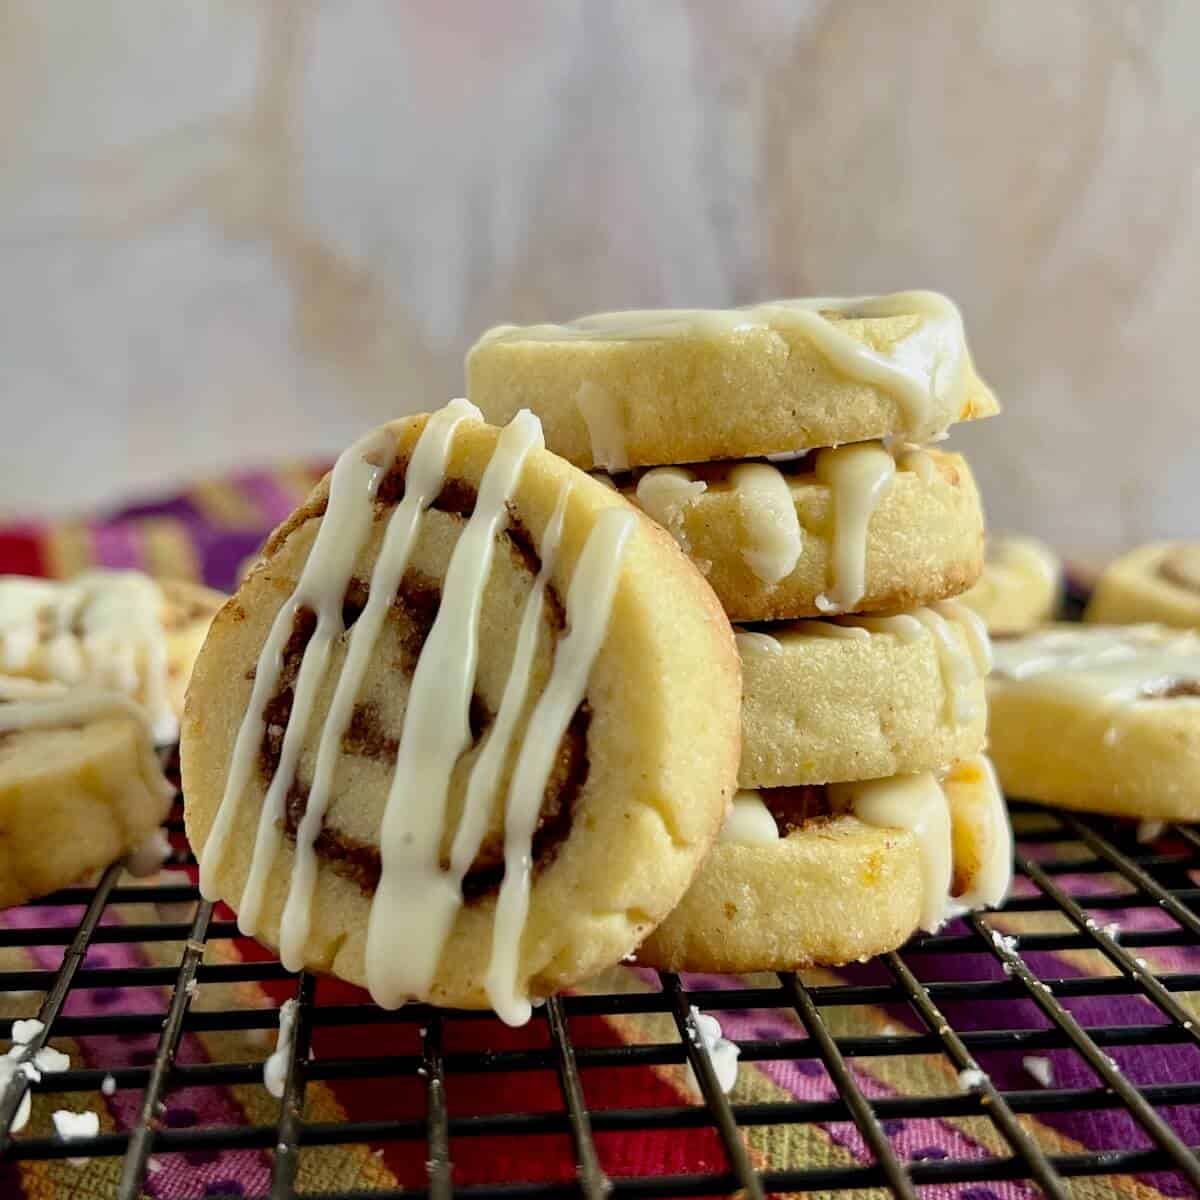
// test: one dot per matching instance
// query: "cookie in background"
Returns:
(113, 630)
(1020, 588)
(1158, 582)
(80, 787)
(1099, 718)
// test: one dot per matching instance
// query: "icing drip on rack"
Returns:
(416, 901)
(102, 628)
(858, 476)
(589, 603)
(927, 365)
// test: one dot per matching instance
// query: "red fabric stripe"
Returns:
(516, 1158)
(21, 552)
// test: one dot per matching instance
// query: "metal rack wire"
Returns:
(1074, 873)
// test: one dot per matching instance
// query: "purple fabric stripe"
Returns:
(1143, 1064)
(186, 1176)
(914, 1140)
(274, 501)
(179, 507)
(116, 545)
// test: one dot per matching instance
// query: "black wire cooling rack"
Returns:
(970, 999)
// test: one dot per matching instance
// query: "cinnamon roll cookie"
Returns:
(1020, 588)
(824, 875)
(80, 785)
(861, 697)
(863, 528)
(629, 389)
(1158, 582)
(466, 731)
(113, 630)
(1102, 718)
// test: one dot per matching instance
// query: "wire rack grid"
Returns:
(1070, 989)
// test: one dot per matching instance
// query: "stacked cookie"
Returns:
(785, 447)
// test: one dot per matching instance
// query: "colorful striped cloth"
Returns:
(205, 534)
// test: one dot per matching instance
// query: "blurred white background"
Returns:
(236, 231)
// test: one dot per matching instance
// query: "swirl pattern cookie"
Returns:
(466, 731)
(861, 697)
(827, 875)
(628, 389)
(80, 785)
(1100, 718)
(118, 630)
(1020, 588)
(857, 529)
(1159, 582)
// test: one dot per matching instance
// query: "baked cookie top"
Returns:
(467, 729)
(649, 388)
(110, 630)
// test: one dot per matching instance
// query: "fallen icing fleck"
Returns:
(722, 1053)
(275, 1068)
(1042, 1069)
(73, 1126)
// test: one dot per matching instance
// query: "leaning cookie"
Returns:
(1020, 588)
(861, 697)
(1159, 582)
(858, 529)
(80, 785)
(826, 875)
(113, 630)
(467, 730)
(628, 389)
(1100, 718)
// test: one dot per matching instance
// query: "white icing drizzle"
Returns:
(915, 803)
(32, 705)
(753, 641)
(402, 955)
(665, 493)
(923, 805)
(588, 607)
(769, 520)
(605, 420)
(963, 660)
(416, 902)
(927, 365)
(991, 882)
(102, 628)
(919, 461)
(1116, 664)
(322, 588)
(829, 630)
(749, 821)
(485, 775)
(858, 476)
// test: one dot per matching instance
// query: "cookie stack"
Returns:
(786, 448)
